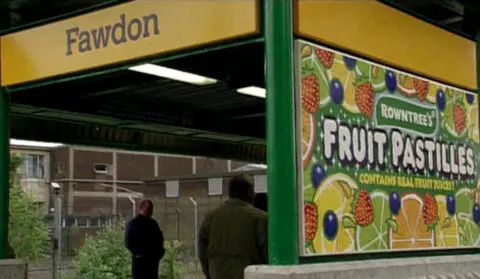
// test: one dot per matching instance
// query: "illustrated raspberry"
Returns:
(430, 209)
(421, 87)
(364, 98)
(363, 210)
(310, 93)
(311, 219)
(459, 118)
(325, 56)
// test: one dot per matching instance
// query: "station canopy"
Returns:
(95, 98)
(137, 91)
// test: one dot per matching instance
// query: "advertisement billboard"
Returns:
(388, 161)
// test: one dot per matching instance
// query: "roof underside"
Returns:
(130, 110)
(144, 104)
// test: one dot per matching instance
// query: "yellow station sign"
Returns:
(387, 35)
(121, 33)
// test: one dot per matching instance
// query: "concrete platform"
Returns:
(13, 269)
(451, 267)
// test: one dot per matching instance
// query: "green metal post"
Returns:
(282, 191)
(4, 169)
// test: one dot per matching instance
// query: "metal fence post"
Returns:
(195, 226)
(57, 226)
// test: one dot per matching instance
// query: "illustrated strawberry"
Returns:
(311, 217)
(363, 210)
(421, 87)
(459, 118)
(325, 56)
(430, 209)
(310, 93)
(364, 98)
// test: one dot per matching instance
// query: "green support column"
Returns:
(282, 191)
(4, 169)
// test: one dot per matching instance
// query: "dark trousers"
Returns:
(145, 268)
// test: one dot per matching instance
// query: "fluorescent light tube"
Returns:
(253, 91)
(165, 72)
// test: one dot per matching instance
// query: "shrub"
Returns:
(28, 232)
(105, 256)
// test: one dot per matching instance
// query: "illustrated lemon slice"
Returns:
(374, 237)
(377, 77)
(308, 136)
(335, 194)
(446, 229)
(308, 189)
(405, 84)
(432, 93)
(411, 231)
(347, 78)
(469, 231)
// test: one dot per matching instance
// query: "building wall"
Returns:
(34, 184)
(175, 215)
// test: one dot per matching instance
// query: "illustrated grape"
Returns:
(336, 91)
(390, 81)
(469, 98)
(451, 204)
(395, 204)
(440, 98)
(318, 174)
(330, 225)
(476, 213)
(349, 62)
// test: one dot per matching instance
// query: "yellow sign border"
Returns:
(389, 36)
(122, 33)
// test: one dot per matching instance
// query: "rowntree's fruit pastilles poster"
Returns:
(388, 160)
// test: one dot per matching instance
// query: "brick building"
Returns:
(98, 184)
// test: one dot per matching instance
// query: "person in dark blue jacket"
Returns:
(144, 240)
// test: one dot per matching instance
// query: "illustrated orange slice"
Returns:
(347, 78)
(308, 136)
(411, 231)
(405, 85)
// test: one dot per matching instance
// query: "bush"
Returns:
(28, 232)
(104, 256)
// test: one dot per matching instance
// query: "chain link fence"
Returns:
(179, 219)
(94, 207)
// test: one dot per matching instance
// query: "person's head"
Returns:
(145, 208)
(241, 187)
(260, 201)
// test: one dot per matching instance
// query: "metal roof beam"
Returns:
(453, 5)
(24, 127)
(452, 20)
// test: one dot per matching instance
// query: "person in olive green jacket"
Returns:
(10, 252)
(233, 236)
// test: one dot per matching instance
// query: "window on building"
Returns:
(33, 166)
